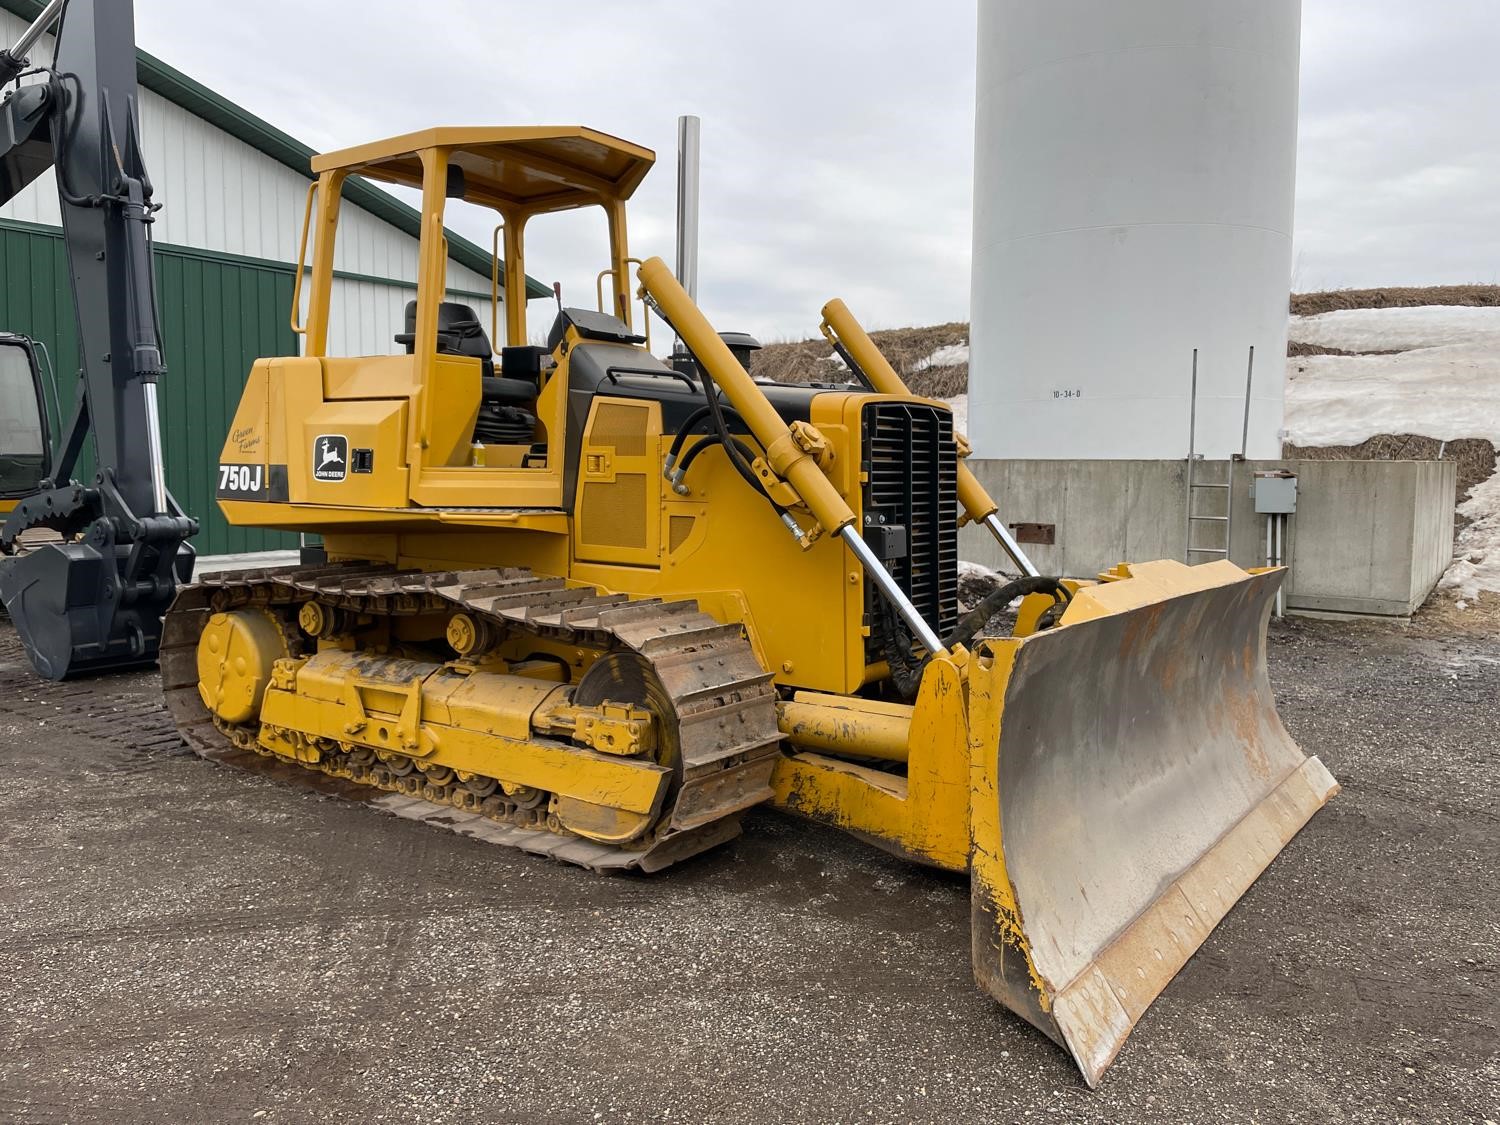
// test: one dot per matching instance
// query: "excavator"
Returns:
(25, 433)
(87, 569)
(595, 606)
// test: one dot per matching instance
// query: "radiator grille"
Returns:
(911, 469)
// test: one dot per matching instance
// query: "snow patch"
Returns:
(1476, 563)
(1397, 330)
(1443, 383)
(949, 355)
(1444, 393)
(959, 404)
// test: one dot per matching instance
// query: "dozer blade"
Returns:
(1131, 780)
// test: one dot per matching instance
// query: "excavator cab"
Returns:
(25, 437)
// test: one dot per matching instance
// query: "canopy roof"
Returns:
(527, 169)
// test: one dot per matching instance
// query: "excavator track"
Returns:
(722, 701)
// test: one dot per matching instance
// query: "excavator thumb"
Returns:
(1130, 779)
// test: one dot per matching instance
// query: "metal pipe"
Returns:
(893, 593)
(1281, 561)
(153, 451)
(1249, 378)
(1012, 548)
(1187, 530)
(1276, 553)
(1229, 509)
(687, 203)
(38, 27)
(1193, 408)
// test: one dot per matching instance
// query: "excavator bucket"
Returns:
(1130, 780)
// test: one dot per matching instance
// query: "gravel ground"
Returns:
(181, 942)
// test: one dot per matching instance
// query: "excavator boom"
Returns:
(95, 599)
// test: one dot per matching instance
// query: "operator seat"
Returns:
(505, 405)
(460, 333)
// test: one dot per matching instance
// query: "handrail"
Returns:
(613, 375)
(495, 282)
(609, 271)
(301, 329)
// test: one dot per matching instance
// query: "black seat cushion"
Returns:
(512, 392)
(459, 333)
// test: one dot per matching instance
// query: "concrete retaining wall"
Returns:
(1368, 537)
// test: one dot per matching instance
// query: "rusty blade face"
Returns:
(1141, 782)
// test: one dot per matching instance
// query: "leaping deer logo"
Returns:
(328, 454)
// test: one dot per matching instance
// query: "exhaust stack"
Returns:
(687, 203)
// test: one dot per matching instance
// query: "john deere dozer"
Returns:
(583, 603)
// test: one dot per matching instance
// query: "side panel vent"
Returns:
(619, 493)
(614, 514)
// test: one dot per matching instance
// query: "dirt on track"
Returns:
(183, 942)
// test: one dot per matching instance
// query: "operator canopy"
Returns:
(531, 169)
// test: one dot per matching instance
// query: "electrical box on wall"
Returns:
(1275, 493)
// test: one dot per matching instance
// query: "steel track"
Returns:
(723, 705)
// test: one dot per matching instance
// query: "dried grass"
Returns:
(1294, 348)
(1440, 616)
(1394, 297)
(808, 361)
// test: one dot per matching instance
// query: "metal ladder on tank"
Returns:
(1226, 486)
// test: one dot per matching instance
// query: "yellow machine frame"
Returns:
(433, 508)
(1089, 888)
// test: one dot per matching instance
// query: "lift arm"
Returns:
(854, 345)
(787, 449)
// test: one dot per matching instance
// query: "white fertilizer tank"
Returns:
(1134, 172)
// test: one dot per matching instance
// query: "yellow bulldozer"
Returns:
(593, 605)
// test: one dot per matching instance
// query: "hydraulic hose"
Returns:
(997, 599)
(716, 411)
(741, 464)
(707, 443)
(711, 441)
(907, 668)
(696, 419)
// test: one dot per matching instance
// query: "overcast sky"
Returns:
(838, 134)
